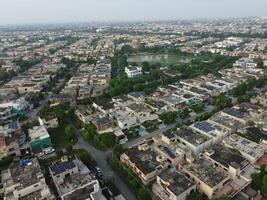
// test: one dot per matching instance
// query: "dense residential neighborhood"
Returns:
(143, 110)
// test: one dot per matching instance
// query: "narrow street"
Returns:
(101, 158)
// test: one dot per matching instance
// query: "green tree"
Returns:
(89, 132)
(264, 186)
(69, 148)
(168, 117)
(221, 102)
(70, 133)
(199, 107)
(117, 150)
(143, 194)
(107, 139)
(257, 180)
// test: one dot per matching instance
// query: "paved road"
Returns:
(141, 139)
(101, 159)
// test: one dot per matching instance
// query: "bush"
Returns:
(85, 157)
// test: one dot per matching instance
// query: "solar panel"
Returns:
(168, 134)
(204, 126)
(234, 112)
(62, 166)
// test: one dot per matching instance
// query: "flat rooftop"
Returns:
(192, 137)
(26, 173)
(226, 157)
(138, 108)
(244, 145)
(234, 112)
(144, 160)
(206, 172)
(225, 121)
(178, 183)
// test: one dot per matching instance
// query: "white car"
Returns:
(48, 151)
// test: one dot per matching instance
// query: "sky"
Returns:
(61, 11)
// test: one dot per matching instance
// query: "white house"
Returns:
(133, 71)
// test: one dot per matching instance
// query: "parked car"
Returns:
(49, 150)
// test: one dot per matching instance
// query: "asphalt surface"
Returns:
(101, 158)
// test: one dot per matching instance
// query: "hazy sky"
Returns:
(42, 11)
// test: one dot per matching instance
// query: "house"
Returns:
(194, 141)
(104, 105)
(172, 185)
(208, 179)
(227, 159)
(85, 114)
(12, 139)
(73, 180)
(120, 136)
(235, 114)
(133, 71)
(141, 112)
(226, 122)
(248, 149)
(173, 101)
(19, 104)
(245, 62)
(39, 138)
(25, 180)
(210, 130)
(125, 119)
(103, 124)
(5, 114)
(168, 146)
(144, 162)
(49, 120)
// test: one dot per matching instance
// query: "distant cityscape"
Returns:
(154, 110)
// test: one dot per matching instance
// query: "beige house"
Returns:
(25, 180)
